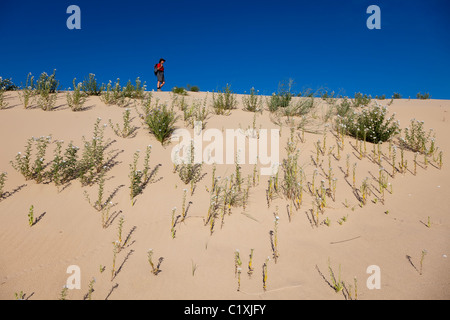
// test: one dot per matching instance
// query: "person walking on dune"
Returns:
(159, 72)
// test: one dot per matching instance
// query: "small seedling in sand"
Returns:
(313, 184)
(102, 268)
(333, 188)
(156, 268)
(174, 222)
(237, 261)
(390, 148)
(402, 161)
(347, 165)
(424, 253)
(337, 284)
(91, 289)
(116, 248)
(315, 212)
(415, 162)
(250, 263)
(183, 207)
(327, 222)
(239, 270)
(349, 291)
(318, 151)
(440, 160)
(342, 220)
(31, 216)
(119, 232)
(99, 204)
(379, 153)
(323, 195)
(339, 148)
(63, 293)
(274, 235)
(2, 183)
(429, 222)
(364, 191)
(394, 156)
(19, 295)
(361, 153)
(382, 181)
(264, 274)
(127, 129)
(354, 175)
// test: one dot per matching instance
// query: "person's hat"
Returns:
(162, 60)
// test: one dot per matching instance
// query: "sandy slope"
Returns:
(34, 260)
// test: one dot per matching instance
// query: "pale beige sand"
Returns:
(34, 260)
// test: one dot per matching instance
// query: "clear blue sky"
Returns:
(320, 43)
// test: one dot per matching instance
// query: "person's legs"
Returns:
(161, 81)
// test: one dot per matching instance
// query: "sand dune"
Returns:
(198, 265)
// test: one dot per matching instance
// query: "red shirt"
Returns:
(160, 67)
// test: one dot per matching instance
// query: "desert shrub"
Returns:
(343, 108)
(188, 171)
(93, 155)
(283, 97)
(127, 130)
(396, 95)
(361, 99)
(179, 90)
(76, 99)
(90, 86)
(24, 164)
(198, 111)
(417, 139)
(193, 88)
(113, 95)
(224, 101)
(7, 84)
(370, 124)
(3, 103)
(47, 83)
(423, 96)
(136, 91)
(301, 107)
(46, 88)
(279, 100)
(253, 101)
(161, 122)
(28, 92)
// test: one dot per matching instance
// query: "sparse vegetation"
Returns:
(224, 101)
(161, 122)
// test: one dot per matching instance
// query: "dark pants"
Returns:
(160, 76)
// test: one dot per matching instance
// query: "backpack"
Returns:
(155, 69)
